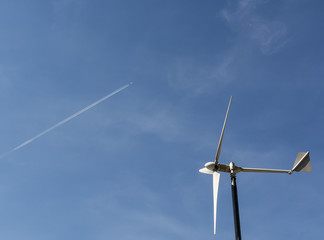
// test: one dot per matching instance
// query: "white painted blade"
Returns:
(216, 176)
(222, 134)
(206, 171)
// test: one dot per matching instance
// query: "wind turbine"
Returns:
(302, 164)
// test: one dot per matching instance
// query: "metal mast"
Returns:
(236, 213)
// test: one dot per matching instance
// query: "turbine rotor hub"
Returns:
(210, 166)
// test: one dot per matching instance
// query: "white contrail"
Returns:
(66, 120)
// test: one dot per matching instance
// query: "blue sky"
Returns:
(128, 168)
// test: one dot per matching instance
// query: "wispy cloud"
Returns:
(269, 35)
(161, 123)
(159, 120)
(136, 212)
(190, 75)
(250, 30)
(4, 80)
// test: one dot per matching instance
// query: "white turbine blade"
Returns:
(216, 176)
(206, 171)
(222, 134)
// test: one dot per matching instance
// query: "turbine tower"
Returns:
(302, 164)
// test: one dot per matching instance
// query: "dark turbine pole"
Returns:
(235, 205)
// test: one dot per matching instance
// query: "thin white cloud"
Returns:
(161, 122)
(258, 159)
(4, 80)
(191, 76)
(60, 6)
(144, 219)
(251, 31)
(269, 35)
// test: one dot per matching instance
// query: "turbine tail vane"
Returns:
(302, 163)
(222, 134)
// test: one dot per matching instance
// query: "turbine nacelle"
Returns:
(211, 166)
